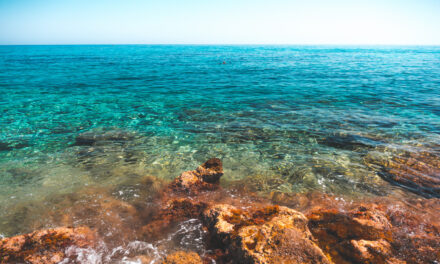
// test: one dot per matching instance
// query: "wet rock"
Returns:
(174, 211)
(5, 147)
(45, 246)
(371, 230)
(366, 222)
(205, 177)
(343, 234)
(350, 142)
(366, 251)
(269, 234)
(92, 138)
(182, 257)
(418, 172)
(11, 146)
(95, 208)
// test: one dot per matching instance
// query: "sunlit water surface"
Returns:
(284, 118)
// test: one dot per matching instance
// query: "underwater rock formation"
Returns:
(45, 246)
(418, 172)
(92, 138)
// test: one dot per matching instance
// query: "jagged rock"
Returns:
(362, 235)
(205, 177)
(182, 257)
(269, 234)
(418, 172)
(367, 251)
(175, 210)
(44, 246)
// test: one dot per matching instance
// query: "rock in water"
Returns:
(205, 177)
(44, 246)
(418, 172)
(92, 138)
(375, 233)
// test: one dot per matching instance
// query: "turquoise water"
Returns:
(283, 118)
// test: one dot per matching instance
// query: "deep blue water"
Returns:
(288, 118)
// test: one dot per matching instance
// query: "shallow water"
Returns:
(283, 118)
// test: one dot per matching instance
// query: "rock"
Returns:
(366, 251)
(205, 177)
(418, 172)
(362, 235)
(350, 142)
(11, 146)
(45, 246)
(270, 234)
(365, 222)
(95, 208)
(174, 211)
(92, 138)
(5, 147)
(182, 257)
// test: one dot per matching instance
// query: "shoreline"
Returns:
(223, 224)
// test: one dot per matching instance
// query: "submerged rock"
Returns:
(45, 246)
(350, 142)
(418, 172)
(92, 138)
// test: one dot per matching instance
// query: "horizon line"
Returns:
(216, 44)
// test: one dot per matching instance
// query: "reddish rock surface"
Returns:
(376, 232)
(239, 227)
(182, 257)
(205, 177)
(418, 172)
(269, 234)
(44, 246)
(174, 211)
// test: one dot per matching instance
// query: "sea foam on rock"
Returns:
(45, 246)
(241, 228)
(260, 234)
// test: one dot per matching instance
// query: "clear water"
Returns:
(271, 113)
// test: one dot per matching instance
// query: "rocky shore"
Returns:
(242, 227)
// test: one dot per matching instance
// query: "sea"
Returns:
(290, 119)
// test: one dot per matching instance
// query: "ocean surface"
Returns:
(282, 118)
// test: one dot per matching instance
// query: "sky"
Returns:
(348, 22)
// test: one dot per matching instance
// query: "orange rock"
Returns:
(205, 177)
(181, 257)
(175, 210)
(44, 246)
(358, 235)
(270, 234)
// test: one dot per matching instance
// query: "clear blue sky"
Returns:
(222, 22)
